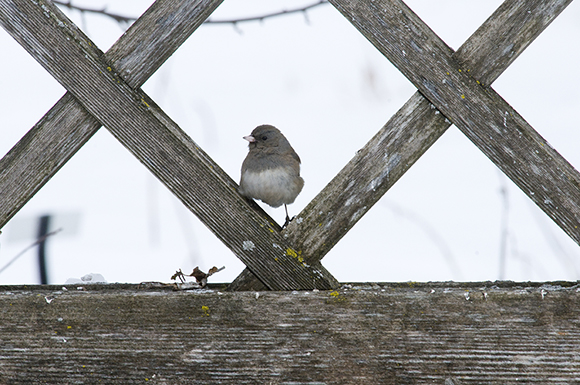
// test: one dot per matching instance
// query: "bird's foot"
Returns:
(288, 220)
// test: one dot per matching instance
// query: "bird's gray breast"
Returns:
(274, 186)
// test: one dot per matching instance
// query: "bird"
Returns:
(271, 170)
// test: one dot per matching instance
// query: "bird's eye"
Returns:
(264, 137)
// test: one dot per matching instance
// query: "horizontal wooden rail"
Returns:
(387, 333)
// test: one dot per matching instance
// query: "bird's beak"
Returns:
(250, 138)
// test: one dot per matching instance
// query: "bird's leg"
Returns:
(287, 217)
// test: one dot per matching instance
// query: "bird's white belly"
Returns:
(274, 186)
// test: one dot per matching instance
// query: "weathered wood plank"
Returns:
(142, 127)
(505, 35)
(387, 333)
(31, 163)
(409, 133)
(40, 153)
(479, 112)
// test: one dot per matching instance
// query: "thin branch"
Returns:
(504, 225)
(122, 19)
(38, 241)
(431, 232)
(266, 16)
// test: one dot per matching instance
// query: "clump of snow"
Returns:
(248, 245)
(88, 278)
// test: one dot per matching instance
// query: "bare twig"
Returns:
(39, 240)
(269, 15)
(431, 232)
(504, 225)
(122, 19)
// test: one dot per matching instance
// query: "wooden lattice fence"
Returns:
(397, 334)
(453, 87)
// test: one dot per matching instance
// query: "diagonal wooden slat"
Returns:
(31, 163)
(392, 165)
(159, 144)
(479, 112)
(416, 126)
(410, 132)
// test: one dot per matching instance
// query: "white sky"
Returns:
(329, 91)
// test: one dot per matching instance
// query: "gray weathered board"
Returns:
(419, 123)
(387, 333)
(139, 124)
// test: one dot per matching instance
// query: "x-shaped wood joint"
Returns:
(98, 85)
(453, 87)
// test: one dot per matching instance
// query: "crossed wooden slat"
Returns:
(419, 54)
(104, 87)
(96, 84)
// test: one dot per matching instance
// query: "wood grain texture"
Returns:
(34, 160)
(143, 128)
(410, 133)
(31, 163)
(479, 112)
(505, 35)
(387, 333)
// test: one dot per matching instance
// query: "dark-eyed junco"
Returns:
(271, 171)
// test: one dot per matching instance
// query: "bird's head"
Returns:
(266, 136)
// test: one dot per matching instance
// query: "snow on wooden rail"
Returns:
(373, 333)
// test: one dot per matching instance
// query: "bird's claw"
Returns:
(288, 220)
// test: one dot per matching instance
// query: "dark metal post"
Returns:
(43, 227)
